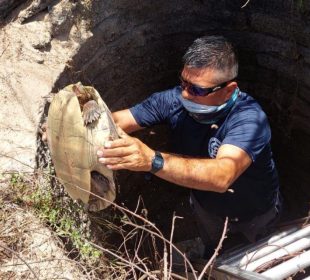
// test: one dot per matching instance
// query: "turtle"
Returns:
(78, 123)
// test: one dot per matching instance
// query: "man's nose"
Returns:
(186, 94)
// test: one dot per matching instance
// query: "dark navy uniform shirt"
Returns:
(246, 126)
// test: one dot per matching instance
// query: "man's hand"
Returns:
(126, 153)
(43, 132)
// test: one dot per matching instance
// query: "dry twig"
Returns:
(245, 4)
(219, 246)
(18, 256)
(171, 238)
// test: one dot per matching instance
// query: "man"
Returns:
(221, 139)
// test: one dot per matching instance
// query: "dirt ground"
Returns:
(28, 249)
(30, 65)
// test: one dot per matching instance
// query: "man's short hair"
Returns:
(213, 52)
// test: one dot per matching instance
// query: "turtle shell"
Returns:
(74, 146)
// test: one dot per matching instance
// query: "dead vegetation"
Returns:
(44, 235)
(28, 249)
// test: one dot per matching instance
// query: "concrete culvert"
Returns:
(130, 49)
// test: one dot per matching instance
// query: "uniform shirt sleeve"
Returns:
(249, 130)
(153, 110)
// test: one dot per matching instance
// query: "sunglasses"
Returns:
(201, 91)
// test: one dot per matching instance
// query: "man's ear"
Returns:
(230, 88)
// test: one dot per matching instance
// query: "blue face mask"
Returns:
(209, 114)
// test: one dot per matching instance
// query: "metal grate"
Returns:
(278, 257)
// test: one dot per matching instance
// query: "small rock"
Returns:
(43, 40)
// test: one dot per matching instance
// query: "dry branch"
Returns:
(219, 246)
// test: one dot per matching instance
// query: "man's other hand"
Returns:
(43, 132)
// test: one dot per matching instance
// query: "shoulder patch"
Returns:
(213, 146)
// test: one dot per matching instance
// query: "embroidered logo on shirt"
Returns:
(214, 145)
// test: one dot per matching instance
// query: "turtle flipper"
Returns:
(100, 185)
(91, 112)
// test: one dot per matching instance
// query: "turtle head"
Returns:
(82, 93)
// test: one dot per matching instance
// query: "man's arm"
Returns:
(203, 174)
(125, 120)
(206, 174)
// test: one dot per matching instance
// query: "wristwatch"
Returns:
(157, 162)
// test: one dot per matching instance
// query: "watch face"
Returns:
(157, 162)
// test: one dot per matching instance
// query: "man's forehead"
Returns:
(206, 74)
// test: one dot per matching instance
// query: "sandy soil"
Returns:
(32, 56)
